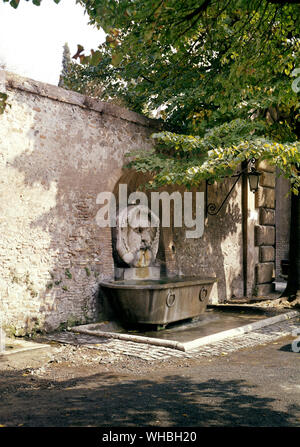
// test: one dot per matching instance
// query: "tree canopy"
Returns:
(220, 73)
(66, 62)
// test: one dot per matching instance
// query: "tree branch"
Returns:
(196, 12)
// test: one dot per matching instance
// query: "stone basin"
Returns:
(159, 302)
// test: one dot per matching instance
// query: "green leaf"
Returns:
(15, 3)
(116, 59)
(3, 102)
(96, 57)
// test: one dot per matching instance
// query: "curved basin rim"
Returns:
(157, 285)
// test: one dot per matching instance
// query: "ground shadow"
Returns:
(288, 348)
(112, 400)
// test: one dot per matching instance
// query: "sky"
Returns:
(32, 37)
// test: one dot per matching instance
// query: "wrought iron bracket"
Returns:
(211, 208)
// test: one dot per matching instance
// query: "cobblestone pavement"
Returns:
(150, 352)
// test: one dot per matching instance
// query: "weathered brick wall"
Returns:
(58, 151)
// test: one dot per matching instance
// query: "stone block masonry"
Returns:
(264, 272)
(266, 254)
(267, 216)
(265, 231)
(264, 235)
(58, 151)
(283, 223)
(268, 180)
(265, 197)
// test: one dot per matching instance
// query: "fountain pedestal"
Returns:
(139, 294)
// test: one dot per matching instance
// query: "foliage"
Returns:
(66, 63)
(220, 72)
(15, 3)
(192, 159)
(205, 64)
(3, 102)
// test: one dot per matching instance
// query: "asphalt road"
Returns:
(254, 387)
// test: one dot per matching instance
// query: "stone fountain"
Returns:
(140, 294)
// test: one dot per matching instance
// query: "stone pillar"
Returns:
(252, 251)
(283, 222)
(265, 231)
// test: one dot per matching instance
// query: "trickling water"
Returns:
(144, 258)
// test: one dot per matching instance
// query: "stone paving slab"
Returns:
(147, 352)
(14, 346)
(180, 338)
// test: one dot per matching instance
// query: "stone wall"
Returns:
(283, 221)
(265, 231)
(219, 252)
(58, 151)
